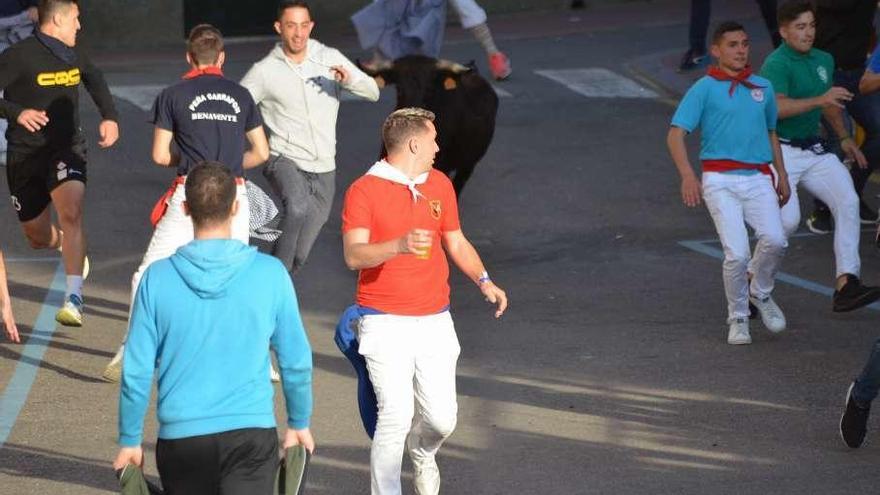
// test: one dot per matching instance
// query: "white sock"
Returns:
(74, 286)
(484, 37)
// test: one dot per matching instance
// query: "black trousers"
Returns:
(237, 462)
(699, 26)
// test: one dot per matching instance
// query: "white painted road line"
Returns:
(501, 93)
(596, 82)
(141, 96)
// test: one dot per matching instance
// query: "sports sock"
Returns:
(74, 286)
(484, 36)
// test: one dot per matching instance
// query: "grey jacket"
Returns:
(300, 102)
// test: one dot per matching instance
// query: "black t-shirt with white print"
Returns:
(209, 116)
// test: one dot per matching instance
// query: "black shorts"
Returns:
(236, 462)
(33, 175)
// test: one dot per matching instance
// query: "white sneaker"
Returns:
(426, 478)
(771, 315)
(70, 313)
(273, 374)
(113, 371)
(739, 332)
(426, 474)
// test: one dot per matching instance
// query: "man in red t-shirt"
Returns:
(399, 221)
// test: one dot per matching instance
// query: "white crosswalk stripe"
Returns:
(501, 92)
(597, 82)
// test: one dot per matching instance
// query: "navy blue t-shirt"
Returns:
(209, 116)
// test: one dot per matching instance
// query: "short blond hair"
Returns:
(403, 123)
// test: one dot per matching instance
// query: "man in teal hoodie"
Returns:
(205, 319)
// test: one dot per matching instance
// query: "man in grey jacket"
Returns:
(298, 86)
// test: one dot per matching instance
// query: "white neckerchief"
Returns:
(384, 170)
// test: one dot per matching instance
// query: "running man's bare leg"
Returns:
(68, 200)
(41, 233)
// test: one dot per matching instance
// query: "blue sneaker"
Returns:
(70, 315)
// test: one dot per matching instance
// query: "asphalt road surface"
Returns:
(610, 373)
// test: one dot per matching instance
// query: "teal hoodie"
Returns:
(204, 319)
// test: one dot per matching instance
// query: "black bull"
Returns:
(463, 102)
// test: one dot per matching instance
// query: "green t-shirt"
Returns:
(799, 75)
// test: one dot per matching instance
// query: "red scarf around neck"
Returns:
(207, 71)
(716, 73)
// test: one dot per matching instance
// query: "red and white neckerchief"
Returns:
(741, 78)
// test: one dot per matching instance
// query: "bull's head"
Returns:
(417, 77)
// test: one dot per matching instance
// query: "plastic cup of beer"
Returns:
(423, 253)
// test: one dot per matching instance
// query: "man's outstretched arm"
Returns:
(466, 258)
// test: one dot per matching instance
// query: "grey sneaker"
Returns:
(739, 332)
(770, 313)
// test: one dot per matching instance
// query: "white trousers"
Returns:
(734, 201)
(411, 361)
(469, 13)
(829, 180)
(176, 229)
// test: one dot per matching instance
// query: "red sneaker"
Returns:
(499, 65)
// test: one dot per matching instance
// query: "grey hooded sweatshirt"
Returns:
(300, 102)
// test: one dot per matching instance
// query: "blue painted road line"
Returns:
(702, 248)
(19, 386)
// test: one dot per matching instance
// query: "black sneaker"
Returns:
(820, 221)
(867, 215)
(854, 421)
(693, 59)
(853, 295)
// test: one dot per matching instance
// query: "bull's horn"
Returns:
(455, 67)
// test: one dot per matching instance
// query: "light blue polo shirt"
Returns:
(733, 127)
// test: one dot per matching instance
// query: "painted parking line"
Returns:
(16, 392)
(596, 82)
(705, 247)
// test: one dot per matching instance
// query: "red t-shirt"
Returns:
(404, 285)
